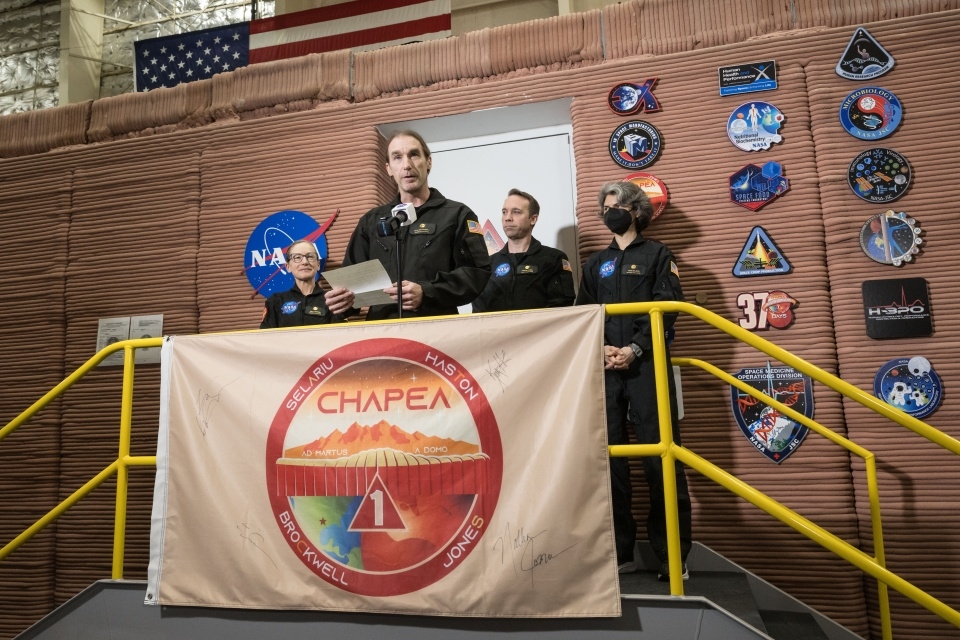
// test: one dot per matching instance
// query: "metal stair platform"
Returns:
(722, 602)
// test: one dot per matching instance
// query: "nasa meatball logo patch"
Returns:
(264, 262)
(384, 466)
(607, 268)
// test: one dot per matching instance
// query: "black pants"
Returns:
(634, 393)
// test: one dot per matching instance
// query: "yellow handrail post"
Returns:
(668, 460)
(883, 595)
(126, 413)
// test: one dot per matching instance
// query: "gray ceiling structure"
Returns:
(30, 55)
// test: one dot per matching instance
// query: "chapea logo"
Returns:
(384, 466)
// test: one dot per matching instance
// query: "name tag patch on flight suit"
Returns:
(527, 269)
(634, 269)
(315, 310)
(424, 228)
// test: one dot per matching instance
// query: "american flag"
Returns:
(361, 24)
(358, 25)
(171, 60)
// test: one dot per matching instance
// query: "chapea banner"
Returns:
(447, 466)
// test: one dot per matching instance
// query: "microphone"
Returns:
(406, 213)
(402, 215)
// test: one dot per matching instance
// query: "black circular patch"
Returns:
(879, 175)
(635, 144)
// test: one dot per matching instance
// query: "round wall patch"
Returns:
(870, 113)
(909, 384)
(635, 144)
(753, 126)
(654, 188)
(891, 238)
(879, 175)
(264, 263)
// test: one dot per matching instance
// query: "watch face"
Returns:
(891, 238)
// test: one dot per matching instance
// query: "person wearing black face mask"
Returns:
(634, 269)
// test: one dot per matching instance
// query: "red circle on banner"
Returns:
(382, 510)
(654, 188)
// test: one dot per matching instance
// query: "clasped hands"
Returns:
(617, 358)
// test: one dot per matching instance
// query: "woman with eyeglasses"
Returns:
(303, 304)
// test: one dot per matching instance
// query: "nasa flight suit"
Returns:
(643, 272)
(443, 251)
(293, 309)
(540, 277)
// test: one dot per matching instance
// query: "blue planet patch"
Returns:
(909, 384)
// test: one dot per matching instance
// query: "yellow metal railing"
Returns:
(120, 466)
(671, 451)
(666, 449)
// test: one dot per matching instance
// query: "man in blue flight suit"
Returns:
(526, 274)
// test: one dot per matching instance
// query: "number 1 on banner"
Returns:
(377, 497)
(377, 512)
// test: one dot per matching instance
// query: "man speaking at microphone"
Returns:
(444, 257)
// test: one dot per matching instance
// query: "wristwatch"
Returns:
(637, 349)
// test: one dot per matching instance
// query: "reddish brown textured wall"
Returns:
(152, 218)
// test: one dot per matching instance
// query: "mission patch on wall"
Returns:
(897, 308)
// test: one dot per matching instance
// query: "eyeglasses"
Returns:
(297, 258)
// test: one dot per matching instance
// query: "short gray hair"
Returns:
(629, 196)
(313, 248)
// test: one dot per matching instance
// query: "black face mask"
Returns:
(617, 220)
